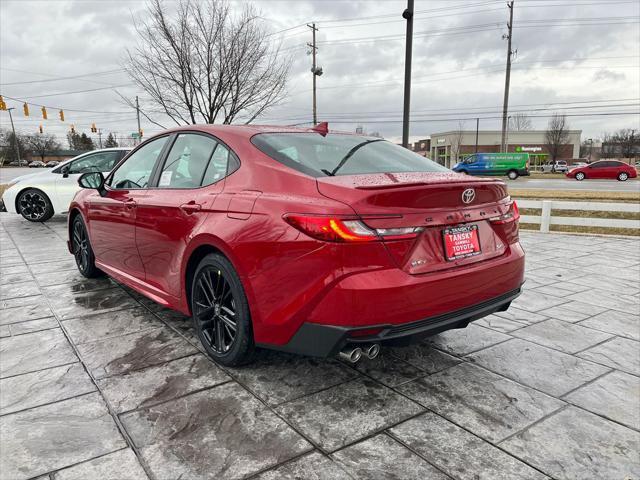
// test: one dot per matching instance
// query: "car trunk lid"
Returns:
(433, 201)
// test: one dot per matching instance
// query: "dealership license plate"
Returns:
(461, 242)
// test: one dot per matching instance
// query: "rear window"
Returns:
(336, 154)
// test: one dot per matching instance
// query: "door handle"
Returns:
(190, 207)
(130, 204)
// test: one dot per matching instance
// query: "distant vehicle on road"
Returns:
(37, 196)
(36, 164)
(604, 169)
(512, 165)
(555, 166)
(19, 163)
(52, 164)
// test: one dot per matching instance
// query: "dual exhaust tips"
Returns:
(353, 354)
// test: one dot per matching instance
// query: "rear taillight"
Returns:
(511, 216)
(347, 229)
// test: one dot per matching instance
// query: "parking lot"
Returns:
(99, 382)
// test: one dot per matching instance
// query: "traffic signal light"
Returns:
(25, 109)
(40, 128)
(44, 113)
(141, 133)
(3, 106)
(61, 113)
(73, 129)
(93, 128)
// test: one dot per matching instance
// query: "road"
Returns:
(6, 174)
(567, 184)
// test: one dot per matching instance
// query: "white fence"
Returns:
(546, 219)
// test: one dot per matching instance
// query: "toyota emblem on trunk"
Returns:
(468, 195)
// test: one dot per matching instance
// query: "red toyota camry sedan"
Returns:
(300, 240)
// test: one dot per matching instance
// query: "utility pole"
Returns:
(138, 114)
(15, 138)
(100, 137)
(505, 107)
(315, 70)
(477, 129)
(408, 16)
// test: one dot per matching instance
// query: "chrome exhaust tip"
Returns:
(372, 351)
(351, 354)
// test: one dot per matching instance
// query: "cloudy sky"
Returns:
(580, 57)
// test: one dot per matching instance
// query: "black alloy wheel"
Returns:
(34, 205)
(85, 260)
(221, 312)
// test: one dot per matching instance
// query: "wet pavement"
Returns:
(99, 382)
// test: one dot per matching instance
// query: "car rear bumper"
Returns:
(327, 340)
(396, 306)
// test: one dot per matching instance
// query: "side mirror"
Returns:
(65, 171)
(93, 180)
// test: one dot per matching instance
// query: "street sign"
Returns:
(135, 135)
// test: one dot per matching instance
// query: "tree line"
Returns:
(42, 144)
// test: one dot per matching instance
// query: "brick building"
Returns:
(447, 147)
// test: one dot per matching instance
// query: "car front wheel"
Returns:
(34, 205)
(622, 176)
(221, 312)
(580, 176)
(512, 174)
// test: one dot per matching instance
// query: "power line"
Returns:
(442, 120)
(95, 74)
(457, 109)
(81, 91)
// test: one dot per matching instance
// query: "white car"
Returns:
(37, 196)
(559, 166)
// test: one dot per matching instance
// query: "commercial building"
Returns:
(447, 147)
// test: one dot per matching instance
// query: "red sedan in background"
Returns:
(298, 239)
(604, 169)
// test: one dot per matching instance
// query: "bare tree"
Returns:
(41, 144)
(557, 134)
(203, 64)
(625, 143)
(519, 122)
(456, 143)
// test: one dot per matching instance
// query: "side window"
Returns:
(598, 165)
(223, 162)
(96, 162)
(187, 161)
(136, 170)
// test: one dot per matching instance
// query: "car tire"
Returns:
(623, 176)
(34, 205)
(580, 176)
(220, 311)
(82, 251)
(464, 172)
(512, 174)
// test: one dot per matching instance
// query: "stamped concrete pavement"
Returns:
(98, 382)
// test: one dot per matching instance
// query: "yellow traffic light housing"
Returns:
(3, 106)
(44, 113)
(61, 113)
(25, 109)
(40, 128)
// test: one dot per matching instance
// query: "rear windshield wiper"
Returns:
(349, 155)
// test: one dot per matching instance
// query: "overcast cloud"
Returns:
(567, 51)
